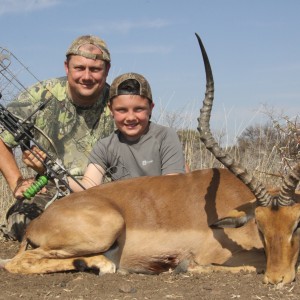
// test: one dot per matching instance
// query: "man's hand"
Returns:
(22, 186)
(34, 161)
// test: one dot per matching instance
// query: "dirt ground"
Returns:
(79, 285)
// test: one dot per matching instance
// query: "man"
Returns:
(138, 147)
(73, 120)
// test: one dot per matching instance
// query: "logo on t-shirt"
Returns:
(146, 162)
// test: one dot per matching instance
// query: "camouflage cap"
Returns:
(144, 87)
(89, 39)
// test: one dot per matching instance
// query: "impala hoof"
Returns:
(109, 267)
(3, 262)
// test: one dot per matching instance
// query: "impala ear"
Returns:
(297, 196)
(230, 222)
(237, 217)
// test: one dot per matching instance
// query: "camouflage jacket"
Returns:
(72, 130)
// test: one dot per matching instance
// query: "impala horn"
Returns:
(288, 187)
(262, 196)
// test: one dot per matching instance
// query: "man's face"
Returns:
(86, 77)
(131, 114)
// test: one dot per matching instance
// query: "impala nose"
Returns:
(278, 279)
(272, 280)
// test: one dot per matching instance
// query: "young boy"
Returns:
(138, 147)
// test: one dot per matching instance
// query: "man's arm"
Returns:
(8, 166)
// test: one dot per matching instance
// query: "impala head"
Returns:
(280, 232)
(277, 215)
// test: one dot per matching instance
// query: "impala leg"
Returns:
(81, 251)
(212, 268)
(3, 262)
(99, 262)
(39, 261)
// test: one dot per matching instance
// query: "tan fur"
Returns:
(281, 237)
(152, 224)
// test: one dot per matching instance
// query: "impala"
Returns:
(213, 219)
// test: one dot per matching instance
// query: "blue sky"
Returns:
(253, 46)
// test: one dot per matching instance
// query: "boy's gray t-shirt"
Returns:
(158, 152)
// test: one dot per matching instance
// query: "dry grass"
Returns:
(268, 158)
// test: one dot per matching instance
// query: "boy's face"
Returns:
(131, 114)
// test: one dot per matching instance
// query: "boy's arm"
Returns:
(93, 176)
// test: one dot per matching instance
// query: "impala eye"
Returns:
(297, 227)
(258, 225)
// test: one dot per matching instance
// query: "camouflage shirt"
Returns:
(71, 130)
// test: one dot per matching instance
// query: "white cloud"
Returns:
(127, 26)
(17, 6)
(137, 49)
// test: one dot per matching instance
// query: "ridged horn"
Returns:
(288, 187)
(262, 196)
